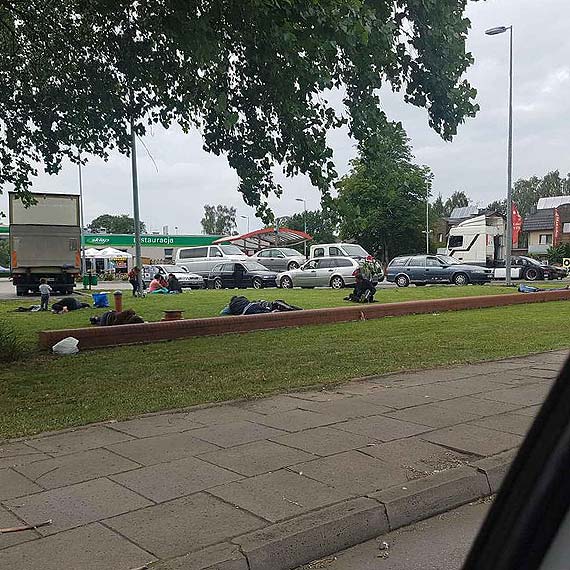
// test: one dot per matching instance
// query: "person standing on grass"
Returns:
(134, 279)
(45, 291)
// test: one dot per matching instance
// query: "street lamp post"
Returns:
(509, 244)
(81, 221)
(136, 214)
(246, 218)
(304, 223)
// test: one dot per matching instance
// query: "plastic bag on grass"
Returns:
(66, 346)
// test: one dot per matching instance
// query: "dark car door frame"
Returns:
(227, 276)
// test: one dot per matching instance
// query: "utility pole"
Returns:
(304, 223)
(136, 213)
(81, 221)
(427, 224)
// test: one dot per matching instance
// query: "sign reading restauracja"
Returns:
(126, 240)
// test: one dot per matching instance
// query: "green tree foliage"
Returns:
(219, 220)
(111, 224)
(499, 206)
(381, 202)
(4, 253)
(527, 191)
(457, 200)
(437, 208)
(321, 225)
(556, 254)
(254, 76)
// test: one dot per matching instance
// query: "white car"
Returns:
(335, 272)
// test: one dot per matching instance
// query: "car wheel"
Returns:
(402, 281)
(292, 265)
(337, 282)
(531, 274)
(286, 282)
(218, 284)
(460, 279)
(257, 283)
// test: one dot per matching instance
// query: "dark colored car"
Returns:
(240, 274)
(533, 270)
(423, 269)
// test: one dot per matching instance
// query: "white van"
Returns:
(339, 249)
(201, 259)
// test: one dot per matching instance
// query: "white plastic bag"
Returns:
(66, 346)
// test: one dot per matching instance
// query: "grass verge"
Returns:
(46, 392)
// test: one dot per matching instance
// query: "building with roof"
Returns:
(540, 225)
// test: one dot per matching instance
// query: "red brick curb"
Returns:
(96, 337)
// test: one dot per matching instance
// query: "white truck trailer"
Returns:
(45, 242)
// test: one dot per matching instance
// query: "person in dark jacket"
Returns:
(173, 284)
(364, 290)
(68, 304)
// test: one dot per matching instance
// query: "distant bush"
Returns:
(12, 346)
(556, 254)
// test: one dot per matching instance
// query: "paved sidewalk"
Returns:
(269, 483)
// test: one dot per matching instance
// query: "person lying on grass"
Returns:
(110, 318)
(68, 304)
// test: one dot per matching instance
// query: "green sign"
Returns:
(4, 229)
(125, 240)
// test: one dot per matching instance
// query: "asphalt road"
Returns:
(439, 543)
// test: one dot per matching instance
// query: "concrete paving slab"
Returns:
(163, 448)
(527, 395)
(278, 495)
(422, 377)
(184, 525)
(432, 415)
(271, 405)
(477, 406)
(167, 481)
(474, 439)
(352, 472)
(79, 440)
(92, 547)
(13, 484)
(496, 467)
(320, 395)
(509, 423)
(222, 415)
(75, 468)
(257, 457)
(8, 520)
(359, 388)
(346, 409)
(324, 441)
(510, 377)
(457, 388)
(538, 372)
(382, 428)
(297, 420)
(314, 535)
(224, 556)
(530, 411)
(76, 505)
(416, 458)
(399, 398)
(12, 454)
(159, 424)
(236, 433)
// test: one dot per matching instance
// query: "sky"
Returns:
(475, 161)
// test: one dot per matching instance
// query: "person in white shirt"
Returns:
(45, 291)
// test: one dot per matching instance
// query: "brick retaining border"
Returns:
(97, 337)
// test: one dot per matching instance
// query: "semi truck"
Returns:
(45, 242)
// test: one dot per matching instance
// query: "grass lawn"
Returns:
(208, 303)
(45, 392)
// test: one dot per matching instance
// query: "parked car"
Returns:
(280, 258)
(533, 270)
(335, 272)
(422, 269)
(187, 280)
(202, 259)
(242, 274)
(339, 249)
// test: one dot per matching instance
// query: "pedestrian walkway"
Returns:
(268, 483)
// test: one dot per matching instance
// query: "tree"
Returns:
(321, 225)
(219, 220)
(381, 202)
(527, 192)
(437, 208)
(457, 200)
(252, 76)
(499, 206)
(121, 224)
(4, 253)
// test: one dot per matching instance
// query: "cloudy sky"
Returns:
(475, 161)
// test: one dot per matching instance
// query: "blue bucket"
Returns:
(100, 300)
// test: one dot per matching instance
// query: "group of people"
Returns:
(158, 285)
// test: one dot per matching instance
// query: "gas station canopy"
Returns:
(266, 237)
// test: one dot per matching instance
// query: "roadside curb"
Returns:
(292, 543)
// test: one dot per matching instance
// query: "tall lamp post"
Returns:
(509, 245)
(304, 223)
(246, 218)
(81, 221)
(136, 214)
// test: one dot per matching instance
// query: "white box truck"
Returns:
(45, 242)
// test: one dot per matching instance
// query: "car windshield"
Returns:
(448, 260)
(252, 266)
(355, 250)
(289, 252)
(532, 261)
(173, 269)
(231, 249)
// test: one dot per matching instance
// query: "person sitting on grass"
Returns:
(364, 290)
(158, 285)
(173, 284)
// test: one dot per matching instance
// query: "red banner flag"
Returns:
(517, 223)
(557, 227)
